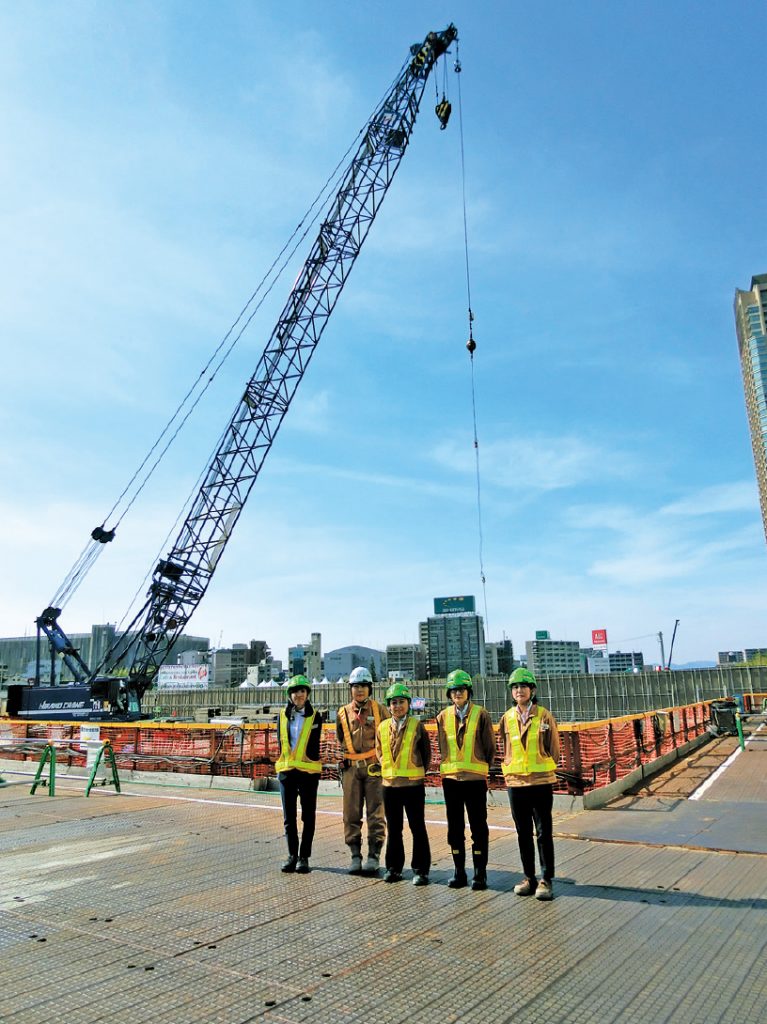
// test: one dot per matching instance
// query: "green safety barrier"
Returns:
(739, 727)
(48, 756)
(107, 750)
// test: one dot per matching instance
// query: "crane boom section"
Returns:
(180, 580)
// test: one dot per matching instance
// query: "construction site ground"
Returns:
(167, 906)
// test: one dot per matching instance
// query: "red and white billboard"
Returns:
(599, 638)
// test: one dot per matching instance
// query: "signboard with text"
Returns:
(183, 677)
(450, 605)
(599, 638)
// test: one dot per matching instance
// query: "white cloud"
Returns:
(736, 497)
(536, 462)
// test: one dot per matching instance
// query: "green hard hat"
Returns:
(398, 690)
(521, 675)
(457, 680)
(298, 683)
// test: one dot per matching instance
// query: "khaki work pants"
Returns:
(363, 791)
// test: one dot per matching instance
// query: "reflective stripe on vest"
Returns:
(460, 760)
(295, 758)
(525, 759)
(350, 753)
(402, 766)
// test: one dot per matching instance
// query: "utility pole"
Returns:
(673, 638)
(662, 651)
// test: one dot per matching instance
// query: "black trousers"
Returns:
(412, 801)
(295, 785)
(532, 806)
(471, 796)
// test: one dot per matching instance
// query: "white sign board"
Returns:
(90, 740)
(183, 677)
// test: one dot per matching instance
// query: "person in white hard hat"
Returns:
(356, 728)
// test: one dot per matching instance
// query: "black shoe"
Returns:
(458, 881)
(302, 867)
(480, 881)
(289, 866)
(392, 876)
(420, 879)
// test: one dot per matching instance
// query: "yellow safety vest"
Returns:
(295, 758)
(525, 760)
(402, 766)
(460, 760)
(350, 753)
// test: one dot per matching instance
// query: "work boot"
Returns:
(480, 870)
(526, 887)
(545, 890)
(356, 865)
(302, 867)
(372, 864)
(290, 865)
(459, 879)
(480, 879)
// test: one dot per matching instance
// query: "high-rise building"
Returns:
(456, 639)
(553, 657)
(751, 325)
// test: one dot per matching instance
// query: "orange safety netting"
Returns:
(593, 754)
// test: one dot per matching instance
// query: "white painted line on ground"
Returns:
(721, 769)
(255, 807)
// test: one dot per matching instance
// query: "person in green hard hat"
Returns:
(298, 770)
(404, 752)
(531, 752)
(467, 751)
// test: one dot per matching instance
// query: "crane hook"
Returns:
(442, 110)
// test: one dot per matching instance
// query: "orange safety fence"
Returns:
(593, 754)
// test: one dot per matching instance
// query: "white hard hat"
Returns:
(360, 676)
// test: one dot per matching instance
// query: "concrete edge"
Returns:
(597, 798)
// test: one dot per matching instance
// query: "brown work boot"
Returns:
(526, 887)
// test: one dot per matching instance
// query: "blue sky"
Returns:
(155, 158)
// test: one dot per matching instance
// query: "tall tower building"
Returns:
(751, 325)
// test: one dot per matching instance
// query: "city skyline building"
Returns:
(626, 661)
(406, 661)
(306, 659)
(751, 327)
(456, 639)
(343, 660)
(553, 657)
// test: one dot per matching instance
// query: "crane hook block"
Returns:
(442, 110)
(471, 345)
(102, 535)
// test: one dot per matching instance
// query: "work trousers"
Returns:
(412, 801)
(532, 806)
(363, 791)
(296, 785)
(471, 796)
